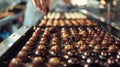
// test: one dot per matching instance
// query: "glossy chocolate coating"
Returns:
(42, 42)
(37, 32)
(68, 47)
(30, 43)
(54, 62)
(55, 50)
(16, 62)
(104, 42)
(54, 39)
(97, 48)
(41, 50)
(26, 48)
(42, 47)
(83, 48)
(37, 62)
(93, 42)
(112, 48)
(22, 55)
(33, 38)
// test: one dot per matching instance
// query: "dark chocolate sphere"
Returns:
(54, 39)
(55, 48)
(112, 49)
(37, 62)
(83, 48)
(97, 48)
(30, 43)
(26, 48)
(43, 39)
(33, 38)
(16, 62)
(42, 42)
(104, 42)
(93, 42)
(40, 52)
(68, 47)
(54, 61)
(22, 55)
(37, 32)
(79, 43)
(42, 47)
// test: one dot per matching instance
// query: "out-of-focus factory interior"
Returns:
(80, 33)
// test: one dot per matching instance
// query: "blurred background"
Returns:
(12, 13)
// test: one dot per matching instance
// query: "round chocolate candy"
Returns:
(42, 47)
(79, 43)
(93, 42)
(54, 62)
(26, 48)
(83, 48)
(37, 62)
(22, 55)
(97, 48)
(37, 32)
(68, 47)
(16, 62)
(30, 43)
(33, 38)
(112, 49)
(43, 39)
(104, 42)
(55, 48)
(42, 42)
(40, 53)
(54, 39)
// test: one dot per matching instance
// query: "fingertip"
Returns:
(34, 3)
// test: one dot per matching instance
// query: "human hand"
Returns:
(43, 5)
